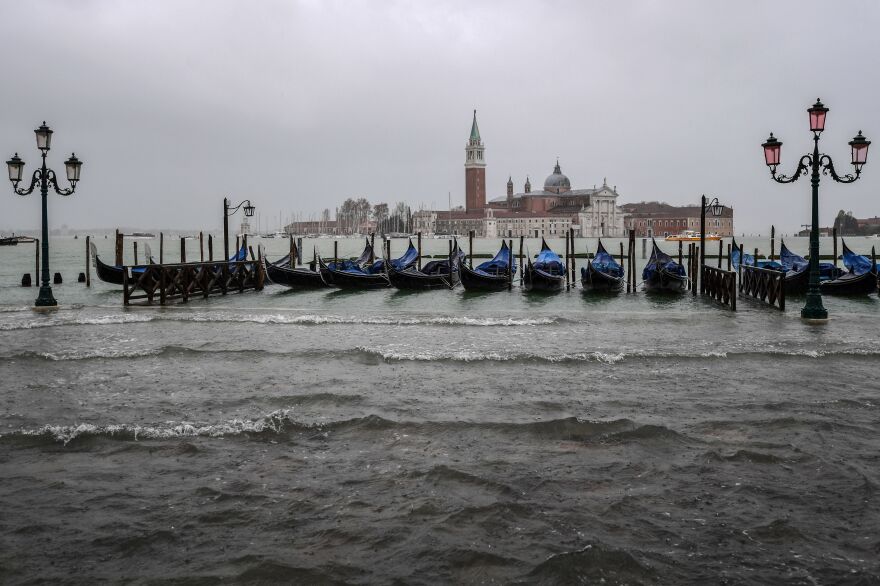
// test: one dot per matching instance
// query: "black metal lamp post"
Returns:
(813, 308)
(248, 211)
(716, 209)
(45, 177)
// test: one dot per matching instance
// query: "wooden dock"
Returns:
(184, 281)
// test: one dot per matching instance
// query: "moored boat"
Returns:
(662, 273)
(351, 275)
(492, 275)
(860, 280)
(437, 274)
(797, 271)
(691, 236)
(547, 273)
(602, 273)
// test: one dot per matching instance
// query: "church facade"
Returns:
(552, 211)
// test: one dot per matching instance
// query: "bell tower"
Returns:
(474, 171)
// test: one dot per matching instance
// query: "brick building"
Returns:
(656, 219)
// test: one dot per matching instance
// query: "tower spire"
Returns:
(475, 130)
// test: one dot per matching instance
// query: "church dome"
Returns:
(557, 182)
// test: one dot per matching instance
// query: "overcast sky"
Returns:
(173, 105)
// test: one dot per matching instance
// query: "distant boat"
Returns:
(691, 236)
(140, 235)
(662, 274)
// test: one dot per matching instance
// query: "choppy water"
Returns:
(437, 437)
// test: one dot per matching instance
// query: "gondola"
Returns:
(547, 273)
(860, 280)
(797, 271)
(602, 273)
(749, 260)
(115, 274)
(492, 275)
(281, 273)
(437, 274)
(350, 275)
(662, 274)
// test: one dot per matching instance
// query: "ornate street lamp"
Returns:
(813, 308)
(45, 177)
(716, 208)
(248, 211)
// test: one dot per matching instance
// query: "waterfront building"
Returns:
(658, 220)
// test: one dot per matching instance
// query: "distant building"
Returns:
(656, 219)
(551, 211)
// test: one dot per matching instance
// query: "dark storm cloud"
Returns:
(173, 105)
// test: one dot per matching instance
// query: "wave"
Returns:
(283, 421)
(302, 320)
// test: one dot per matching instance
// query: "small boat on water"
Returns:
(437, 274)
(602, 273)
(691, 236)
(492, 275)
(797, 271)
(860, 280)
(115, 274)
(749, 260)
(662, 273)
(547, 273)
(364, 275)
(284, 272)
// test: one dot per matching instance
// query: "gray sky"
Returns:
(298, 105)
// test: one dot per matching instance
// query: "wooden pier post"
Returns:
(728, 256)
(739, 269)
(573, 262)
(134, 246)
(834, 237)
(201, 246)
(373, 250)
(720, 252)
(644, 248)
(336, 251)
(680, 246)
(118, 249)
(567, 262)
(182, 250)
(210, 248)
(628, 265)
(510, 265)
(292, 253)
(161, 248)
(698, 270)
(88, 264)
(299, 249)
(772, 242)
(621, 256)
(419, 246)
(471, 249)
(520, 260)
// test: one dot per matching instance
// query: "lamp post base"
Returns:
(45, 298)
(813, 308)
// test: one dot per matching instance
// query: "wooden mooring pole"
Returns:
(201, 247)
(210, 248)
(88, 264)
(336, 251)
(118, 249)
(698, 269)
(629, 269)
(292, 253)
(134, 246)
(510, 265)
(419, 246)
(720, 252)
(567, 262)
(182, 250)
(728, 256)
(470, 249)
(573, 272)
(834, 237)
(772, 242)
(161, 248)
(520, 260)
(680, 246)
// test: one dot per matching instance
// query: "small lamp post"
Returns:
(248, 212)
(716, 208)
(813, 308)
(45, 177)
